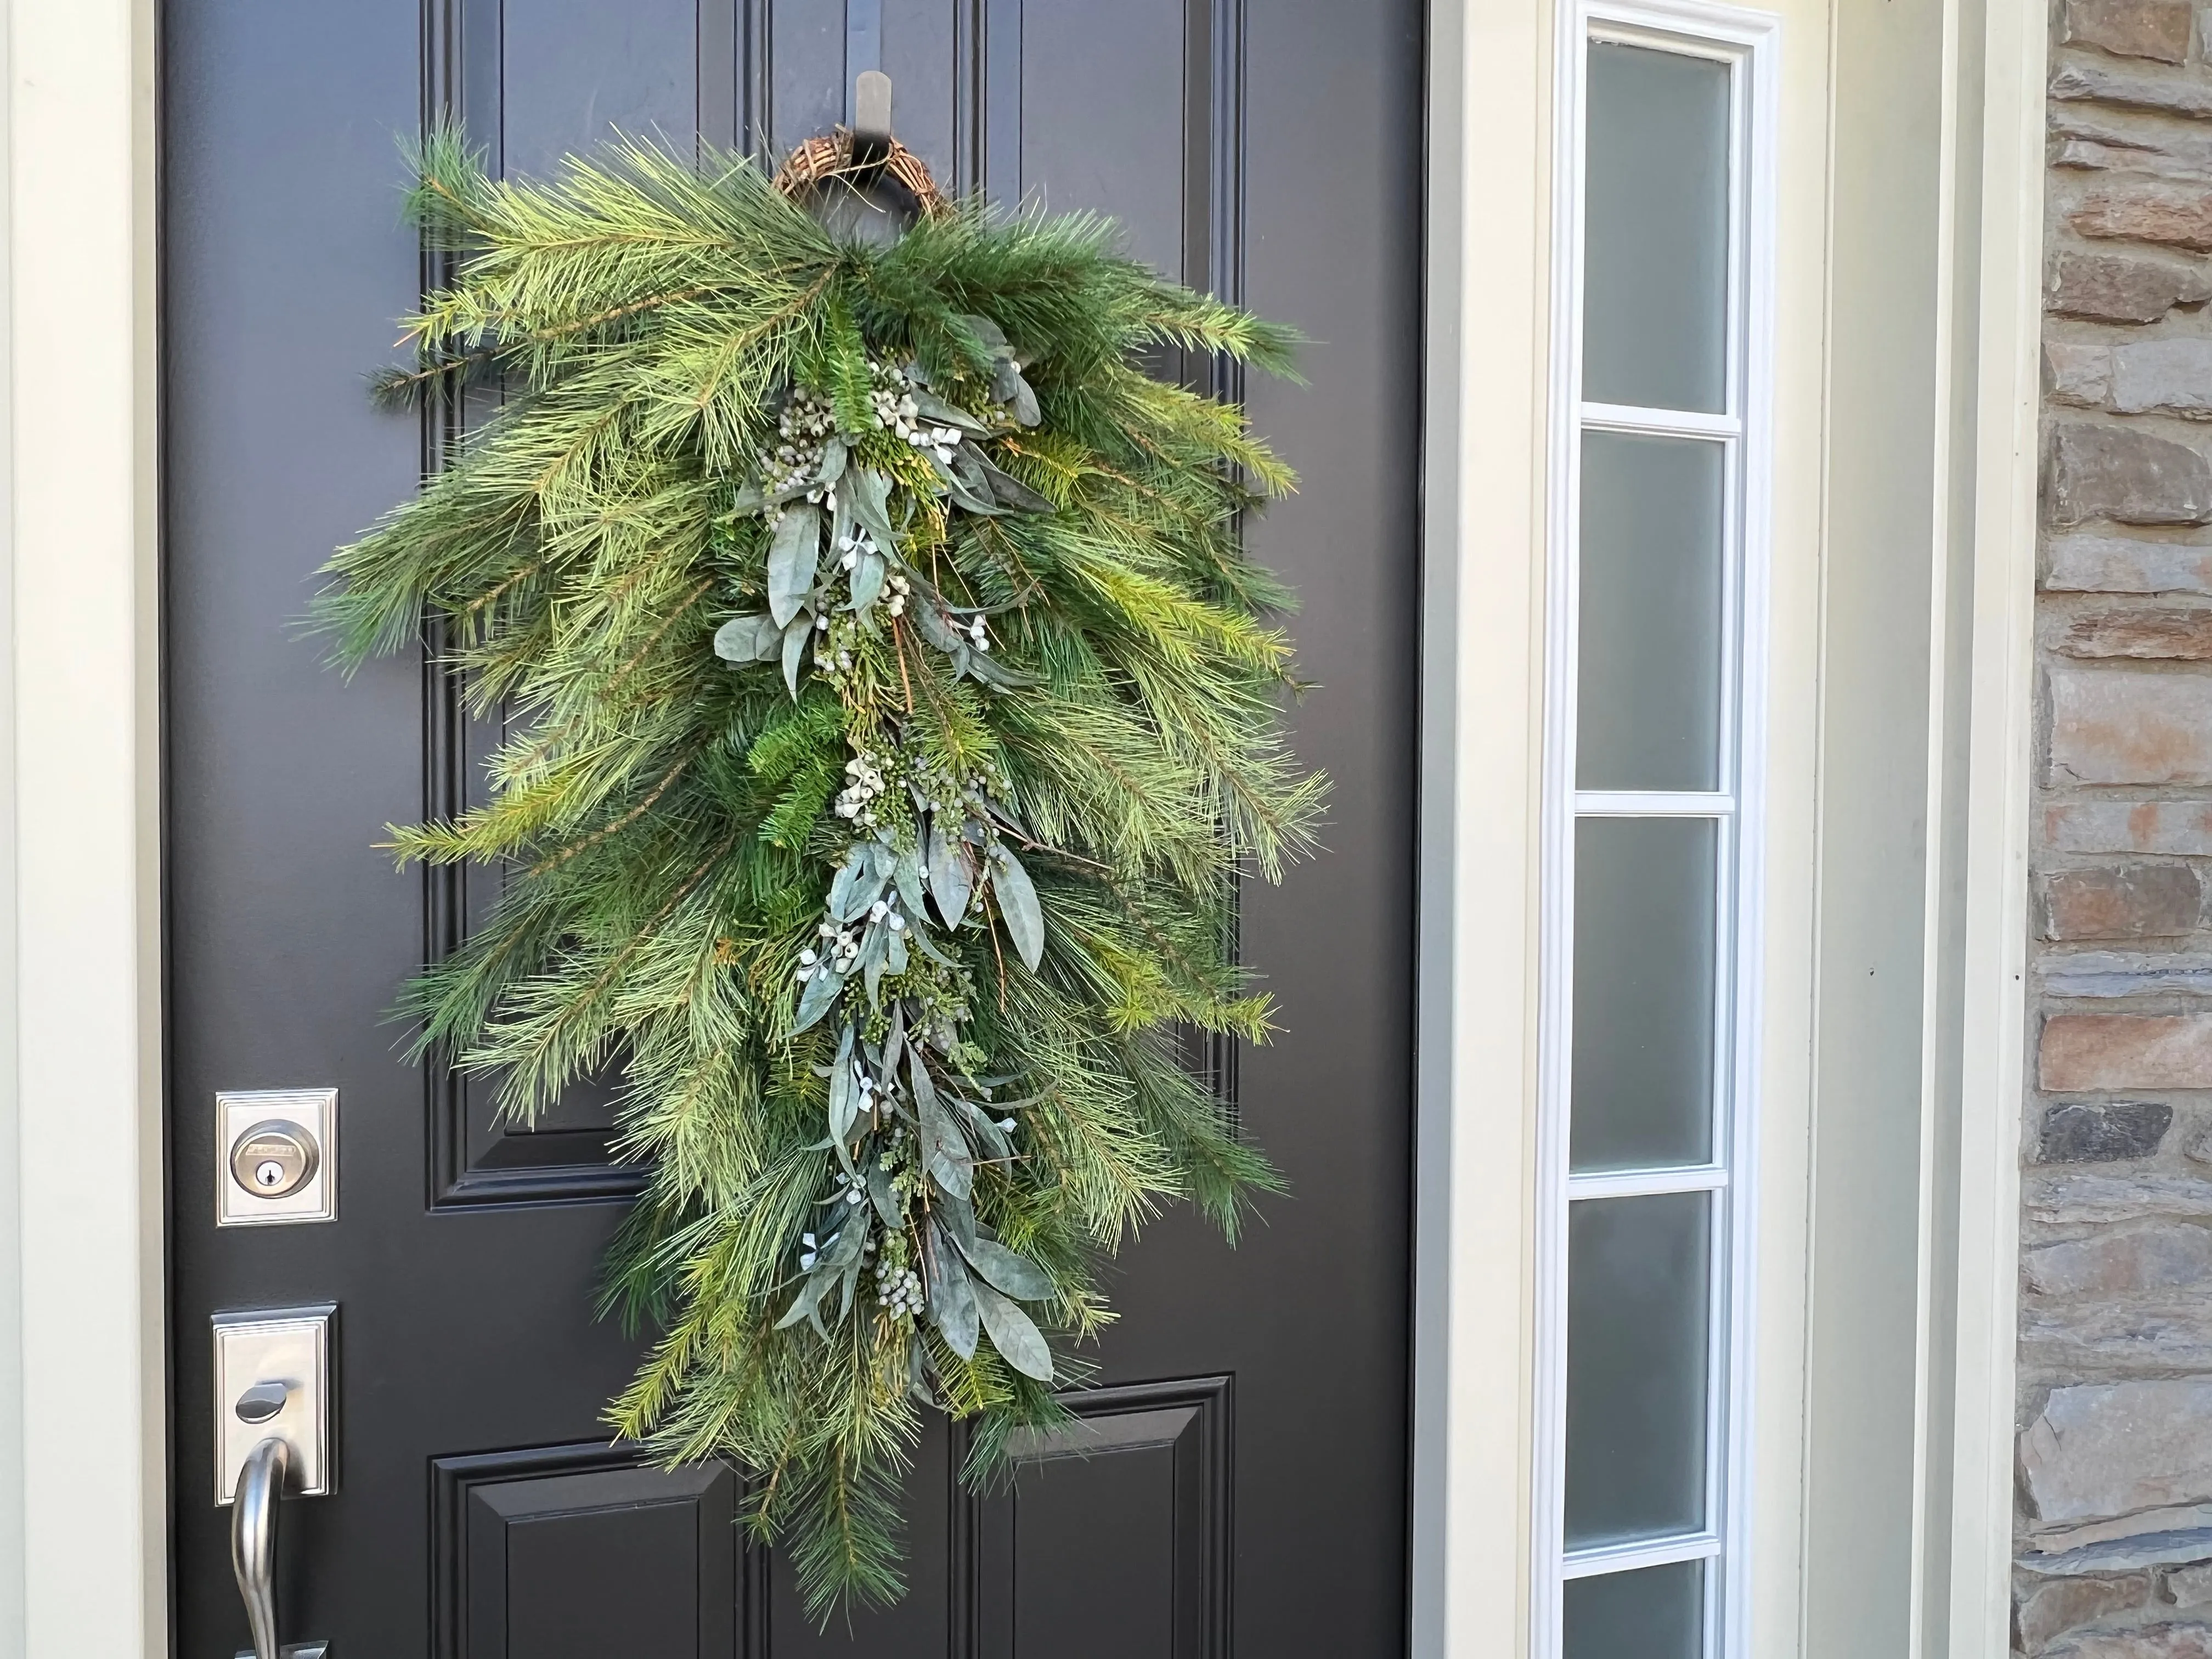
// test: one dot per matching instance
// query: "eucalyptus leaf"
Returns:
(952, 872)
(1013, 1333)
(1017, 905)
(880, 1193)
(923, 1087)
(988, 1134)
(841, 1111)
(929, 947)
(875, 956)
(869, 492)
(868, 573)
(841, 521)
(748, 499)
(1017, 1275)
(818, 994)
(934, 628)
(895, 950)
(1012, 490)
(793, 555)
(952, 1297)
(803, 1304)
(970, 500)
(1009, 388)
(989, 670)
(867, 887)
(749, 639)
(847, 882)
(850, 1280)
(930, 407)
(971, 484)
(944, 1152)
(994, 337)
(958, 1217)
(905, 874)
(796, 637)
(842, 1152)
(834, 454)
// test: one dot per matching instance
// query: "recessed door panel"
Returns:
(579, 1552)
(1113, 1535)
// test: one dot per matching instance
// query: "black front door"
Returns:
(1240, 1482)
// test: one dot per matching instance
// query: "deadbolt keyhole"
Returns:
(273, 1158)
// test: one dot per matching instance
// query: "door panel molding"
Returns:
(570, 1156)
(1178, 1434)
(482, 1504)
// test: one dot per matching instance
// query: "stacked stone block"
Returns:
(2114, 1558)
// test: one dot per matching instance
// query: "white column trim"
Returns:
(1999, 764)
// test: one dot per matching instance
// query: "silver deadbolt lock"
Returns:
(276, 1156)
(273, 1158)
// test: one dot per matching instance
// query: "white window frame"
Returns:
(1749, 42)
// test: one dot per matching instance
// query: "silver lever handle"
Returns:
(253, 1539)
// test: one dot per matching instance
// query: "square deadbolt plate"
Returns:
(314, 1114)
(291, 1346)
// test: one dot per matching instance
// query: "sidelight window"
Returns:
(1652, 833)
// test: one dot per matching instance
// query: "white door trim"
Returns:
(88, 1521)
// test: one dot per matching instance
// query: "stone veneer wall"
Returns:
(2115, 1473)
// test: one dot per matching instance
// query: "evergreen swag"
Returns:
(897, 709)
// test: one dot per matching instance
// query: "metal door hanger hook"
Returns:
(871, 123)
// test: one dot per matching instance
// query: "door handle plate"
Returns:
(290, 1346)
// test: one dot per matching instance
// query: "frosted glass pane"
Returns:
(1649, 715)
(1645, 936)
(1656, 1613)
(1655, 262)
(1636, 1366)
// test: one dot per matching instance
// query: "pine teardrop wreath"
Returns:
(897, 710)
